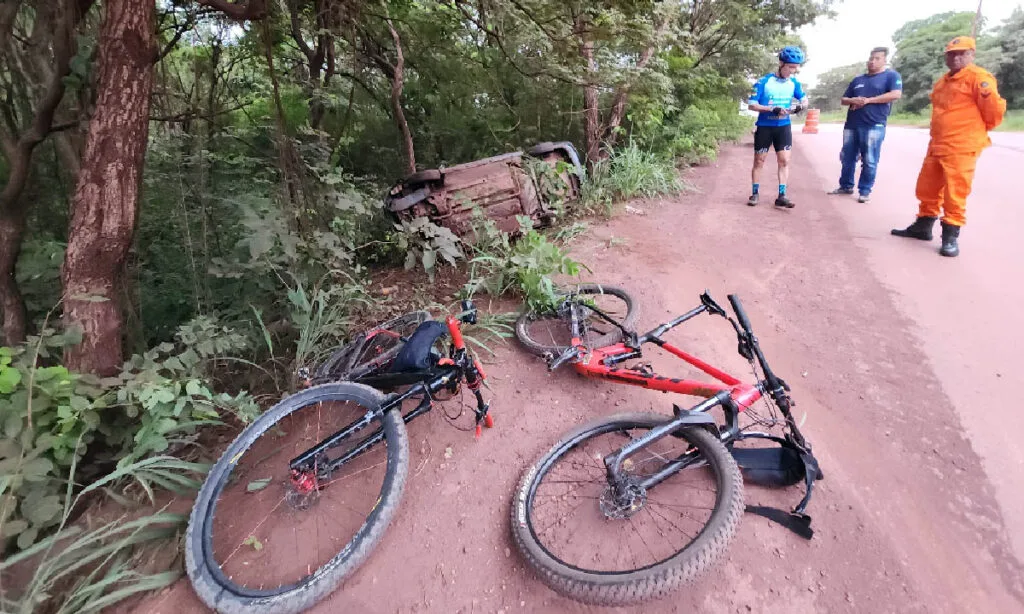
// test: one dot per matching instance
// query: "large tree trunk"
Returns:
(106, 196)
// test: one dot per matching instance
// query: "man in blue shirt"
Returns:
(773, 100)
(870, 98)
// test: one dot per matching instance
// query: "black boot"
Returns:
(950, 233)
(920, 229)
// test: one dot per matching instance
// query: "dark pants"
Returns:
(865, 143)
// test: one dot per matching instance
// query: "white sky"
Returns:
(860, 25)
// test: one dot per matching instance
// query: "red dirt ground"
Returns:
(905, 519)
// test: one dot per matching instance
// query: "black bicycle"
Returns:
(299, 500)
(631, 506)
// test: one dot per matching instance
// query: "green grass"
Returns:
(1013, 122)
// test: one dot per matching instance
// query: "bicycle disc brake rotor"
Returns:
(617, 507)
(303, 490)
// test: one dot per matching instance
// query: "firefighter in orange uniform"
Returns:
(965, 105)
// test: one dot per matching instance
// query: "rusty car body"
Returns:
(501, 186)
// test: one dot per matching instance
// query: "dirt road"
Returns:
(965, 311)
(906, 519)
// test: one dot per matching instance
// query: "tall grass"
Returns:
(630, 172)
(83, 571)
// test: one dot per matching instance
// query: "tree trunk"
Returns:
(106, 196)
(591, 103)
(397, 84)
(58, 27)
(15, 317)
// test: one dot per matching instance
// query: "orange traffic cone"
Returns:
(811, 123)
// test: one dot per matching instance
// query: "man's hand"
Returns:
(858, 102)
(780, 112)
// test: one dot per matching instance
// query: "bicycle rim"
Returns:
(590, 546)
(550, 332)
(273, 540)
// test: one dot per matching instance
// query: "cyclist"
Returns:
(773, 98)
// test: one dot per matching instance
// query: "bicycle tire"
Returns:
(229, 598)
(619, 589)
(349, 362)
(594, 340)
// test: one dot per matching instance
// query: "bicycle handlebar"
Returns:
(741, 315)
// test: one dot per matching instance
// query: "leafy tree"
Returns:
(919, 53)
(1010, 68)
(832, 85)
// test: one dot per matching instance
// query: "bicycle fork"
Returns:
(698, 416)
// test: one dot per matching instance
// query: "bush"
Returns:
(522, 268)
(630, 172)
(52, 419)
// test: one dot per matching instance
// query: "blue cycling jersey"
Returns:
(774, 91)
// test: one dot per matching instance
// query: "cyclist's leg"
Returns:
(762, 143)
(783, 148)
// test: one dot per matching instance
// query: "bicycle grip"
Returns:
(741, 315)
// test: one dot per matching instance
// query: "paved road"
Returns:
(967, 310)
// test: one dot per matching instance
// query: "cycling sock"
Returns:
(756, 187)
(782, 189)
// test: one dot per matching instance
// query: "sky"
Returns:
(860, 25)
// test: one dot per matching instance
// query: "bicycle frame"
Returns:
(447, 374)
(728, 392)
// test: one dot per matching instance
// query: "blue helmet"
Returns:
(791, 55)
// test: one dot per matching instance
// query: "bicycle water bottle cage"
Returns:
(417, 354)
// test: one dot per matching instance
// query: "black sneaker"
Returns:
(752, 201)
(840, 191)
(783, 202)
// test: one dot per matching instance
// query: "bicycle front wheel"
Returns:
(590, 544)
(549, 332)
(264, 538)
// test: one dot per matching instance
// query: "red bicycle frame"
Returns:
(594, 363)
(601, 362)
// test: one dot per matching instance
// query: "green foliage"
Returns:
(1009, 69)
(52, 419)
(628, 173)
(832, 85)
(424, 242)
(86, 570)
(920, 46)
(523, 268)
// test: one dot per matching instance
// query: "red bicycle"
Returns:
(631, 506)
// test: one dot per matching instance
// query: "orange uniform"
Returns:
(965, 106)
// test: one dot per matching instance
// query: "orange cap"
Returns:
(961, 43)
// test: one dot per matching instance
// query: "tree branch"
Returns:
(239, 11)
(179, 31)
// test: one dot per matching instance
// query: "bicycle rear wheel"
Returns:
(371, 351)
(549, 332)
(589, 546)
(264, 539)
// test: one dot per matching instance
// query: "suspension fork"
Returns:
(696, 416)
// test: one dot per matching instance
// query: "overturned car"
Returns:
(502, 186)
